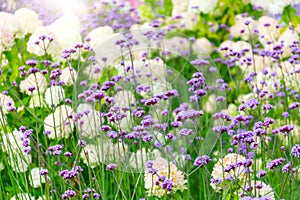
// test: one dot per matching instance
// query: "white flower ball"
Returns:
(99, 35)
(6, 102)
(39, 49)
(7, 38)
(54, 95)
(58, 123)
(203, 6)
(11, 22)
(37, 101)
(203, 47)
(19, 161)
(36, 80)
(36, 179)
(11, 142)
(28, 19)
(91, 122)
(68, 76)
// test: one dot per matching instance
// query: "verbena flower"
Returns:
(296, 150)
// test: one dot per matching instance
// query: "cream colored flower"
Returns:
(11, 142)
(68, 76)
(28, 19)
(260, 189)
(124, 98)
(236, 29)
(99, 35)
(203, 47)
(11, 22)
(19, 162)
(37, 80)
(179, 7)
(36, 179)
(238, 173)
(188, 20)
(170, 171)
(6, 102)
(65, 32)
(288, 37)
(39, 50)
(270, 33)
(37, 101)
(176, 45)
(7, 38)
(90, 123)
(54, 95)
(59, 123)
(105, 152)
(203, 6)
(139, 158)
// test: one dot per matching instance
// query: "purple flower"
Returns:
(261, 173)
(274, 163)
(286, 167)
(202, 161)
(43, 172)
(167, 185)
(296, 150)
(294, 105)
(111, 167)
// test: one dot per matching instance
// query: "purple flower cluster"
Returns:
(296, 150)
(70, 174)
(274, 163)
(201, 161)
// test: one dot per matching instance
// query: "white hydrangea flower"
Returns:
(107, 152)
(36, 179)
(11, 142)
(203, 6)
(235, 30)
(54, 95)
(37, 101)
(170, 171)
(58, 123)
(7, 38)
(273, 6)
(65, 32)
(68, 76)
(66, 22)
(28, 19)
(188, 20)
(139, 158)
(176, 45)
(124, 98)
(19, 162)
(218, 170)
(99, 35)
(260, 189)
(36, 80)
(203, 47)
(11, 22)
(6, 102)
(91, 122)
(179, 7)
(270, 33)
(288, 37)
(22, 196)
(39, 49)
